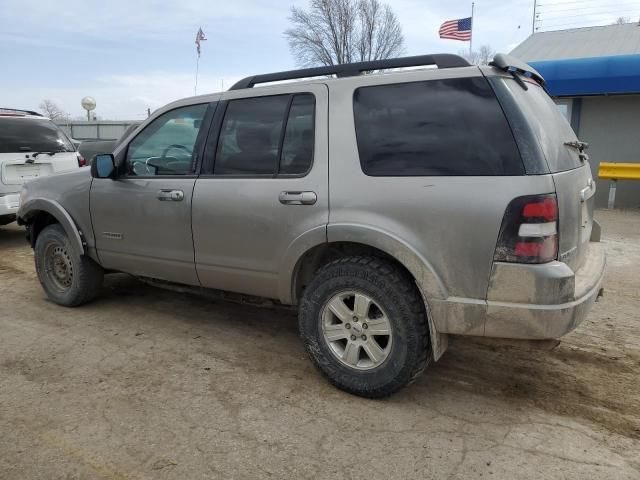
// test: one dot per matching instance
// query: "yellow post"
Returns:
(617, 171)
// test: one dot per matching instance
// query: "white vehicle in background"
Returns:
(31, 146)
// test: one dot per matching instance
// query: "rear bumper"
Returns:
(9, 204)
(561, 297)
(527, 301)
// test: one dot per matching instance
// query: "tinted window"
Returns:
(436, 127)
(32, 135)
(551, 128)
(297, 147)
(266, 136)
(250, 136)
(166, 146)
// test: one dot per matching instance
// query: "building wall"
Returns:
(611, 126)
(96, 130)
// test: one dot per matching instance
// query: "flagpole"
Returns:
(471, 36)
(195, 87)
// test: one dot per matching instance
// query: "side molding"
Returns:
(59, 213)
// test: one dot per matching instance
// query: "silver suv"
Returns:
(392, 208)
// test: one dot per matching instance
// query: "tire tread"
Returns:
(399, 281)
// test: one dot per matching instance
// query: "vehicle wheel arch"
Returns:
(371, 240)
(318, 256)
(38, 213)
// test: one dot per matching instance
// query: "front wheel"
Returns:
(67, 278)
(364, 324)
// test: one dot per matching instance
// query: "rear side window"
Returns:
(438, 127)
(32, 135)
(549, 125)
(267, 136)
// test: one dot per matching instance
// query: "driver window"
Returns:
(166, 145)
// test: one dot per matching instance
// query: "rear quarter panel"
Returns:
(449, 223)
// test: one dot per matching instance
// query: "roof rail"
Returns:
(19, 110)
(512, 64)
(441, 60)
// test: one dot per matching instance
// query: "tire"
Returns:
(396, 307)
(67, 278)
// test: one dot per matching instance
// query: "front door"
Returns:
(264, 187)
(142, 219)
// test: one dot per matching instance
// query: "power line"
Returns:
(594, 14)
(566, 3)
(554, 25)
(597, 7)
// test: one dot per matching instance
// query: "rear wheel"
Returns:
(364, 325)
(67, 278)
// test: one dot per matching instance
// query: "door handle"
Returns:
(298, 198)
(170, 195)
(587, 192)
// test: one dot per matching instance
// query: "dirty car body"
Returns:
(480, 211)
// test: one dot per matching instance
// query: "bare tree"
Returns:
(622, 20)
(482, 56)
(343, 31)
(50, 109)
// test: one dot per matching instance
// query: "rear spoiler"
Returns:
(513, 65)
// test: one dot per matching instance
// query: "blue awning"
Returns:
(618, 74)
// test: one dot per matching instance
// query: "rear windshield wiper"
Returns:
(50, 153)
(580, 146)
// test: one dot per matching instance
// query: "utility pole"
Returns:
(533, 20)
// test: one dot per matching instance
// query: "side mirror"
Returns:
(103, 166)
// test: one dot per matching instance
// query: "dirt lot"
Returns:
(149, 384)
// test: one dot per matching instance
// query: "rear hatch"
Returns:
(568, 165)
(32, 147)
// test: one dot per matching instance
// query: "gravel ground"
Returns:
(150, 384)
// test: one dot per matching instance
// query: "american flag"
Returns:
(199, 38)
(459, 29)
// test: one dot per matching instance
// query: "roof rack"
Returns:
(19, 111)
(441, 60)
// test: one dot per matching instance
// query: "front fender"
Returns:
(31, 207)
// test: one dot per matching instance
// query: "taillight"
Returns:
(81, 161)
(529, 231)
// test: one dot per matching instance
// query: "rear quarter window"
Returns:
(32, 135)
(551, 128)
(451, 127)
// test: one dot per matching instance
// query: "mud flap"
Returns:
(439, 341)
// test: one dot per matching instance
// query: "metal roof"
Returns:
(585, 42)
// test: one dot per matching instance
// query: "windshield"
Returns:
(549, 125)
(32, 135)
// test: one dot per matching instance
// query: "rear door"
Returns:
(575, 188)
(264, 186)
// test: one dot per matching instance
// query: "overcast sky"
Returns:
(134, 54)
